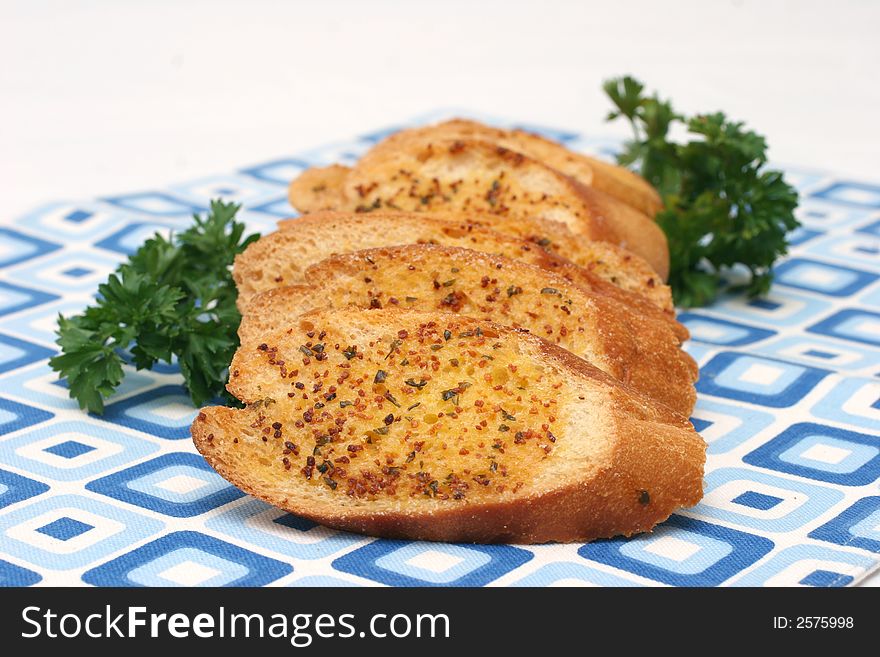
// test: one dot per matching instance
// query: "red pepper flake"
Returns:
(310, 464)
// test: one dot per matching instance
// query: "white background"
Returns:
(113, 96)
(108, 96)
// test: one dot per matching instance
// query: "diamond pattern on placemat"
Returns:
(789, 405)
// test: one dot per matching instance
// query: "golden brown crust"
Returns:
(473, 175)
(610, 262)
(633, 230)
(281, 258)
(655, 467)
(634, 348)
(616, 181)
(606, 506)
(625, 185)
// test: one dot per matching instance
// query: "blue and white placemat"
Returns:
(789, 403)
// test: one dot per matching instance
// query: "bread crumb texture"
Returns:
(439, 427)
(431, 412)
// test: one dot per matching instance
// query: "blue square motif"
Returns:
(764, 304)
(188, 559)
(15, 488)
(65, 528)
(758, 501)
(93, 528)
(858, 526)
(825, 578)
(725, 426)
(806, 565)
(72, 451)
(399, 563)
(19, 247)
(15, 353)
(822, 277)
(713, 330)
(758, 380)
(840, 403)
(14, 416)
(14, 298)
(851, 324)
(69, 449)
(77, 272)
(77, 216)
(179, 484)
(12, 575)
(165, 412)
(815, 353)
(821, 452)
(852, 193)
(682, 552)
(764, 502)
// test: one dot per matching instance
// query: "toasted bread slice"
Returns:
(633, 348)
(607, 261)
(480, 176)
(319, 188)
(280, 258)
(616, 181)
(395, 424)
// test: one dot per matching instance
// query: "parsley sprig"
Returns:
(174, 297)
(722, 206)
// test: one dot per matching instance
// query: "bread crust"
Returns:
(609, 261)
(616, 181)
(318, 188)
(656, 467)
(636, 349)
(279, 259)
(419, 177)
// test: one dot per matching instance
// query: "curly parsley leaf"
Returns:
(175, 297)
(722, 206)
